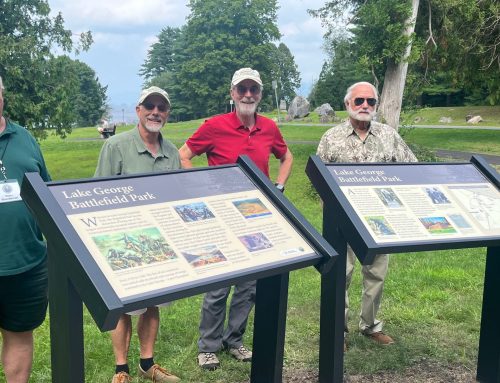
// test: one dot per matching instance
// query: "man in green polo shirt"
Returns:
(140, 150)
(23, 254)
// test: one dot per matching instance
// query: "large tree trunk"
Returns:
(394, 81)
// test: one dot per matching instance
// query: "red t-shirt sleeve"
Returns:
(202, 140)
(279, 145)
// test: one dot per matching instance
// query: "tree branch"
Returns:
(431, 37)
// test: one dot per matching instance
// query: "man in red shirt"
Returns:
(223, 138)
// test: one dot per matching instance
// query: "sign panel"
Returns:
(283, 105)
(420, 203)
(151, 233)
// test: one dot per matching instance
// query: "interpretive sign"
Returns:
(393, 208)
(153, 233)
(120, 244)
(420, 202)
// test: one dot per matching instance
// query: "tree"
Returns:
(285, 73)
(162, 55)
(220, 37)
(32, 79)
(90, 101)
(340, 71)
(195, 62)
(382, 33)
(455, 47)
(391, 99)
(460, 51)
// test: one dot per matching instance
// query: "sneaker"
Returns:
(121, 377)
(158, 374)
(241, 353)
(208, 361)
(380, 338)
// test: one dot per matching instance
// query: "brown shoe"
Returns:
(121, 377)
(241, 353)
(380, 338)
(208, 361)
(158, 374)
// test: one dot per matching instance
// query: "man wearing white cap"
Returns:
(223, 138)
(140, 150)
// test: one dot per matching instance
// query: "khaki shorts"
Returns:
(142, 311)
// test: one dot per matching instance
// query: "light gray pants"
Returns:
(213, 315)
(373, 287)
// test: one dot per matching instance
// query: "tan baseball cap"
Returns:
(153, 90)
(246, 74)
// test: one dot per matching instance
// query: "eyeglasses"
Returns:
(161, 107)
(360, 101)
(242, 89)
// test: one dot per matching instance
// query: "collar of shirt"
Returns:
(9, 128)
(236, 123)
(372, 129)
(141, 146)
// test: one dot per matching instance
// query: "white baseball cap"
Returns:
(153, 90)
(246, 74)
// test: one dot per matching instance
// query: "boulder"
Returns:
(474, 119)
(325, 110)
(324, 118)
(299, 108)
(445, 120)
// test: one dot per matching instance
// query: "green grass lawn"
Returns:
(431, 116)
(431, 304)
(468, 140)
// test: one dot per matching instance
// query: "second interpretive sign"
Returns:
(421, 202)
(150, 233)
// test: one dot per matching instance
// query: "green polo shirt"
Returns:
(126, 153)
(21, 242)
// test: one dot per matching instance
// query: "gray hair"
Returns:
(351, 88)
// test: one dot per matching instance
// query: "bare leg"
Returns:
(147, 329)
(120, 338)
(17, 355)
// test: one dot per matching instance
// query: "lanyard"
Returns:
(2, 166)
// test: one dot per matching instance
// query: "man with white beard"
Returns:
(360, 139)
(140, 150)
(223, 138)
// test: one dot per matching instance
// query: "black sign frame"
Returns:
(75, 278)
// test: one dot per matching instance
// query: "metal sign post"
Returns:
(275, 86)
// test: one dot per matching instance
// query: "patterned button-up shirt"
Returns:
(382, 144)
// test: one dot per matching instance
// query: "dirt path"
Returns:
(423, 372)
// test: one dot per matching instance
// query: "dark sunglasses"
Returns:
(360, 101)
(242, 89)
(150, 106)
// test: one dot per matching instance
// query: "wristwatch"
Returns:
(280, 187)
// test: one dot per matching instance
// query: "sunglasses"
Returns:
(242, 89)
(150, 106)
(360, 101)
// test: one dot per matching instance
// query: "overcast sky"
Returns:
(123, 30)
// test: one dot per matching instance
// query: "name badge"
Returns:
(10, 191)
